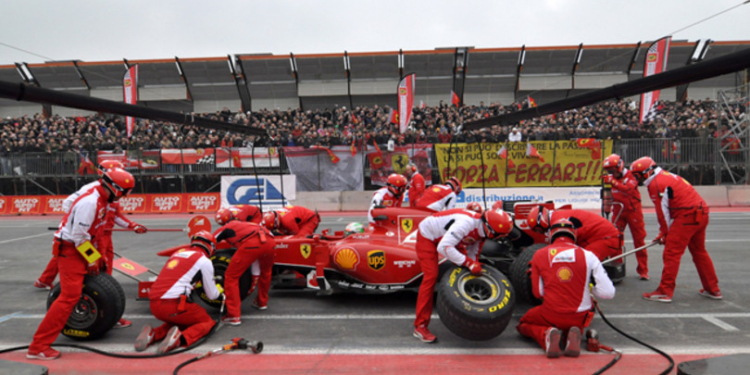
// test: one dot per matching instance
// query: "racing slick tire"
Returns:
(220, 260)
(520, 277)
(101, 305)
(476, 308)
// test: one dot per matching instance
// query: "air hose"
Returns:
(619, 354)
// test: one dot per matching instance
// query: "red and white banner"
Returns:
(189, 156)
(130, 94)
(136, 203)
(148, 159)
(222, 157)
(656, 62)
(406, 101)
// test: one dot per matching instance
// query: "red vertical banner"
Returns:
(130, 93)
(656, 62)
(406, 101)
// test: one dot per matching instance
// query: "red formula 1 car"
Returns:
(382, 260)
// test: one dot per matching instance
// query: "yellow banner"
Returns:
(560, 163)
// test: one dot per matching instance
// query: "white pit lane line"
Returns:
(26, 238)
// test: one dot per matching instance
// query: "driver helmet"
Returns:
(354, 227)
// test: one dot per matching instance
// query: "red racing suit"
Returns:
(593, 232)
(247, 212)
(416, 189)
(441, 234)
(170, 292)
(385, 198)
(683, 218)
(82, 223)
(560, 274)
(438, 198)
(630, 214)
(253, 242)
(298, 221)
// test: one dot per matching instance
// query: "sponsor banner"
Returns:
(243, 157)
(203, 202)
(4, 205)
(251, 190)
(134, 204)
(166, 203)
(54, 204)
(191, 156)
(578, 197)
(655, 63)
(130, 94)
(148, 159)
(27, 205)
(560, 163)
(406, 90)
(396, 161)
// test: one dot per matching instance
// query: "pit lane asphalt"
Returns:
(299, 322)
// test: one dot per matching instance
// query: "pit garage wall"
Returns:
(584, 198)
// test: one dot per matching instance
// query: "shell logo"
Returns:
(172, 264)
(436, 189)
(346, 258)
(564, 274)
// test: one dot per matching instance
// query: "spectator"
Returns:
(515, 135)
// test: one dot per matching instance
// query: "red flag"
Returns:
(531, 152)
(592, 144)
(334, 159)
(655, 63)
(130, 93)
(376, 158)
(503, 154)
(236, 159)
(393, 116)
(354, 119)
(86, 166)
(422, 105)
(406, 101)
(454, 99)
(354, 147)
(532, 102)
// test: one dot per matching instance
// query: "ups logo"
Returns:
(376, 259)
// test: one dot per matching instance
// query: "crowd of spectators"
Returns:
(342, 126)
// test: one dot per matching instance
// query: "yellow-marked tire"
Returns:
(476, 308)
(101, 305)
(221, 260)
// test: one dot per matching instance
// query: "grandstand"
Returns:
(317, 81)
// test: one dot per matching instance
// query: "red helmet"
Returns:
(271, 220)
(496, 224)
(455, 184)
(224, 215)
(613, 164)
(118, 182)
(643, 168)
(497, 206)
(396, 184)
(109, 164)
(205, 240)
(474, 206)
(538, 219)
(562, 227)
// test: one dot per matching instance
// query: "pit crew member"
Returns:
(416, 184)
(629, 212)
(392, 195)
(241, 212)
(293, 220)
(253, 242)
(593, 232)
(683, 218)
(439, 235)
(560, 274)
(77, 256)
(441, 197)
(185, 322)
(474, 206)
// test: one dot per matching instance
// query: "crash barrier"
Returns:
(135, 203)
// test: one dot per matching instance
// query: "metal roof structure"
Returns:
(254, 82)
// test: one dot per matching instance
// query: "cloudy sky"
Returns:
(35, 31)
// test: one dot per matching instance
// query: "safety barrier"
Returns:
(136, 203)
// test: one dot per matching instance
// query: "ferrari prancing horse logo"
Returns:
(305, 249)
(407, 225)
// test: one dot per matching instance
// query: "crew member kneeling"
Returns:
(185, 322)
(441, 234)
(560, 275)
(296, 221)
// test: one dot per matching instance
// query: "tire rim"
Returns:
(84, 313)
(481, 290)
